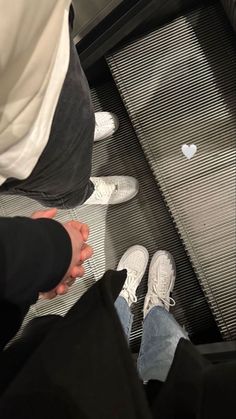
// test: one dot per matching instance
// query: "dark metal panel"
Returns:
(111, 30)
(230, 8)
(219, 351)
(89, 13)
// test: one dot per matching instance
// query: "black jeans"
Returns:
(61, 176)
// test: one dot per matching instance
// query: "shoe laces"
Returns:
(102, 189)
(99, 123)
(160, 290)
(130, 286)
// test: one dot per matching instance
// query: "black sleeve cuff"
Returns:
(34, 256)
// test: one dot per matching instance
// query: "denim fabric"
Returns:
(61, 176)
(161, 334)
(125, 315)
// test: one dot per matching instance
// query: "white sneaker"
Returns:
(161, 281)
(112, 190)
(106, 123)
(135, 261)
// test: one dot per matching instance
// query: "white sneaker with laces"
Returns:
(161, 279)
(106, 124)
(135, 261)
(112, 190)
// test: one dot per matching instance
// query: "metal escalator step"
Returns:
(178, 86)
(144, 220)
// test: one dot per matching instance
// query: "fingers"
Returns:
(82, 252)
(86, 252)
(77, 271)
(62, 289)
(82, 228)
(49, 213)
(48, 295)
(85, 232)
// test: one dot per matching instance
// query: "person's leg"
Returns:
(134, 260)
(161, 332)
(125, 315)
(61, 178)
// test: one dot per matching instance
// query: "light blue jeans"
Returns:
(161, 334)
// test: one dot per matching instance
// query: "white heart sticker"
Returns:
(189, 150)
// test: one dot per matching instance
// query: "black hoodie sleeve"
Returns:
(34, 257)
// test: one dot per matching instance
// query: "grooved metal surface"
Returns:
(143, 220)
(178, 85)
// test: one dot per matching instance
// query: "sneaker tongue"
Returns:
(104, 189)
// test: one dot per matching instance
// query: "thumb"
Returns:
(50, 213)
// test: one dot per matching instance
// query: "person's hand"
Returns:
(81, 251)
